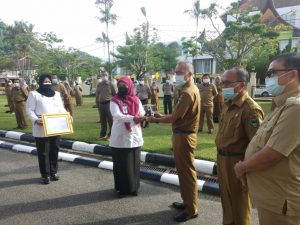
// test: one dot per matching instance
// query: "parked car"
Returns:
(261, 91)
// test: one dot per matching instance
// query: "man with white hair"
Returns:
(185, 122)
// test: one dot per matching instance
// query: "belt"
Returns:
(178, 131)
(105, 102)
(228, 153)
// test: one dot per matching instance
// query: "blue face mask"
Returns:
(54, 81)
(180, 81)
(273, 87)
(229, 93)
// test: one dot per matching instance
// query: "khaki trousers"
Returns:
(208, 110)
(235, 203)
(183, 148)
(20, 112)
(267, 217)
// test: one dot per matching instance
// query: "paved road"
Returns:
(84, 196)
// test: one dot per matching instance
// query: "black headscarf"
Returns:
(44, 89)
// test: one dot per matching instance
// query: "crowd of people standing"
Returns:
(258, 158)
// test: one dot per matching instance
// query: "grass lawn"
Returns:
(157, 137)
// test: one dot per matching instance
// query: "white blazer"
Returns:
(37, 104)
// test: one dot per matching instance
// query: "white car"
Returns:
(261, 91)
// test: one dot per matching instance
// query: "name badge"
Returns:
(125, 108)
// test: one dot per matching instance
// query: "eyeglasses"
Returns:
(227, 82)
(272, 72)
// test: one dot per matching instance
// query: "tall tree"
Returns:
(195, 13)
(103, 40)
(242, 34)
(106, 17)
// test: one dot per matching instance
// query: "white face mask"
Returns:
(142, 82)
(180, 81)
(206, 80)
(105, 78)
(167, 81)
(99, 80)
(16, 84)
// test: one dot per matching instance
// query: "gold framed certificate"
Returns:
(57, 124)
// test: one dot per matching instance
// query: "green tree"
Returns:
(234, 46)
(195, 13)
(133, 55)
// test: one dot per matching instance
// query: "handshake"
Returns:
(149, 119)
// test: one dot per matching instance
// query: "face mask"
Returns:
(99, 80)
(122, 91)
(16, 85)
(272, 85)
(229, 93)
(9, 84)
(180, 81)
(167, 81)
(54, 81)
(142, 82)
(104, 78)
(206, 80)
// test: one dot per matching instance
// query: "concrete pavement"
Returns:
(84, 196)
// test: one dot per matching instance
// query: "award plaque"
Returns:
(56, 124)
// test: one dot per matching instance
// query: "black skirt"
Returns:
(126, 169)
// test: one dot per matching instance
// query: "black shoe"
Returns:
(134, 193)
(46, 180)
(183, 216)
(178, 205)
(121, 194)
(54, 177)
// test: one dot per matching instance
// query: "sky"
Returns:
(75, 21)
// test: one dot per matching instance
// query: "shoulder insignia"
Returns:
(254, 122)
(295, 100)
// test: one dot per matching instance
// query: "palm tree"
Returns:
(106, 17)
(195, 12)
(103, 40)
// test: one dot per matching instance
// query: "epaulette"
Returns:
(252, 104)
(295, 100)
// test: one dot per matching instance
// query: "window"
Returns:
(203, 66)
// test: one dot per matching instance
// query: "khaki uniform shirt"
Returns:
(105, 91)
(168, 89)
(8, 92)
(207, 92)
(277, 188)
(187, 110)
(239, 122)
(63, 92)
(154, 91)
(219, 97)
(19, 94)
(143, 92)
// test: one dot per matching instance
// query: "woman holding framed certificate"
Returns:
(45, 101)
(126, 138)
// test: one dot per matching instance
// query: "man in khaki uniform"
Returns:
(8, 92)
(207, 92)
(240, 120)
(78, 94)
(272, 160)
(185, 122)
(218, 100)
(66, 98)
(104, 93)
(143, 91)
(19, 96)
(154, 95)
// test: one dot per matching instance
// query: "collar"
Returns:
(187, 84)
(239, 101)
(281, 99)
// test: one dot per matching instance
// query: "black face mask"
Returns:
(122, 91)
